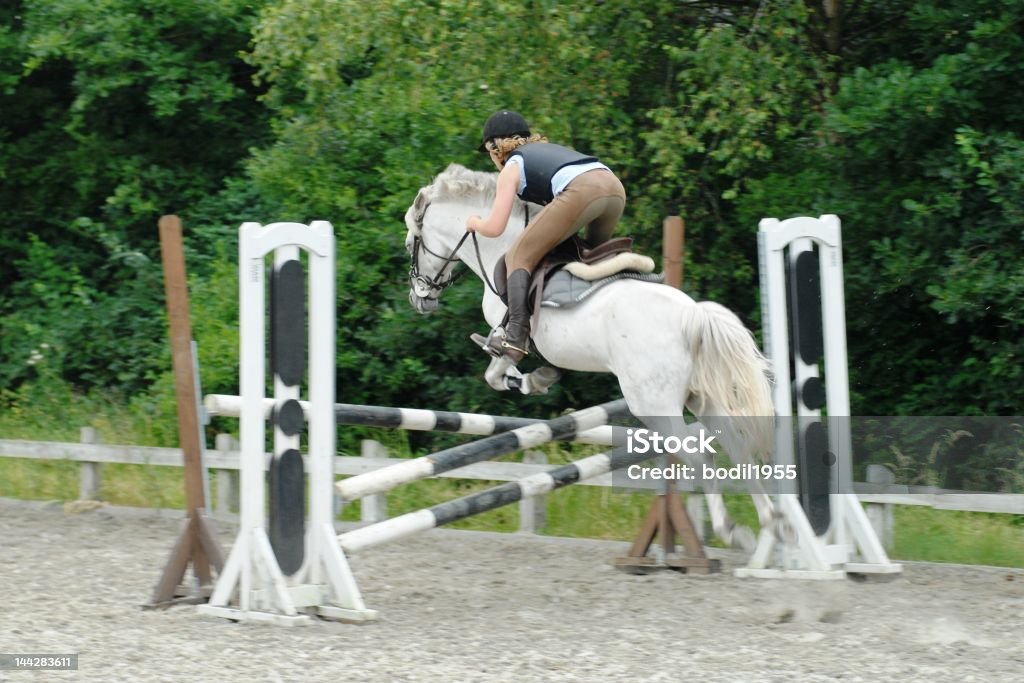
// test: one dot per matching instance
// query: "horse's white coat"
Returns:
(666, 350)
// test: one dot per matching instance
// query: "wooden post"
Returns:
(373, 508)
(533, 510)
(881, 514)
(89, 473)
(673, 235)
(667, 518)
(196, 543)
(227, 480)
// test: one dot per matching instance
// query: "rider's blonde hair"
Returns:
(505, 146)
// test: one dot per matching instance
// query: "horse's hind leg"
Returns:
(727, 432)
(658, 404)
(736, 535)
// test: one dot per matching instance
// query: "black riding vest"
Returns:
(541, 161)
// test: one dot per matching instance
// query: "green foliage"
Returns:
(894, 115)
(59, 335)
(114, 113)
(742, 92)
(922, 164)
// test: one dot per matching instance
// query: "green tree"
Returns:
(372, 101)
(920, 155)
(743, 90)
(113, 114)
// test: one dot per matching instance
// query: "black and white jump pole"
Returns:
(564, 427)
(415, 419)
(491, 499)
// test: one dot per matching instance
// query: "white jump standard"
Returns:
(252, 576)
(838, 539)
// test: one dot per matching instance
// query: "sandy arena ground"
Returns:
(463, 606)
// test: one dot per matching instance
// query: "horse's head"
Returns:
(431, 267)
(436, 232)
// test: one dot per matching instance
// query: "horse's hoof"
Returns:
(783, 531)
(498, 372)
(742, 538)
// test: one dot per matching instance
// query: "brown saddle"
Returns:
(570, 251)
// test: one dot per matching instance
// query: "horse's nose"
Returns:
(420, 287)
(421, 304)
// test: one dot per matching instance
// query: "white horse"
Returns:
(666, 350)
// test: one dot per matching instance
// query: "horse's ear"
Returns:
(419, 207)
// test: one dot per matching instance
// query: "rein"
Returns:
(436, 283)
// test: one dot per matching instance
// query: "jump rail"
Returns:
(414, 419)
(493, 498)
(564, 427)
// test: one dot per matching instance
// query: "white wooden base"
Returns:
(805, 574)
(324, 587)
(865, 568)
(235, 614)
(849, 547)
(348, 616)
(340, 614)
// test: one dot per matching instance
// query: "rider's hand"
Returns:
(473, 223)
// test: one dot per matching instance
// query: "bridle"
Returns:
(439, 283)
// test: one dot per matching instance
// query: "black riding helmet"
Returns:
(504, 124)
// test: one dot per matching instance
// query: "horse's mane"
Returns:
(453, 184)
(459, 182)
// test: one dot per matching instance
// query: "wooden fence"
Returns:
(879, 494)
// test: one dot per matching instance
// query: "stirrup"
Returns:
(516, 347)
(510, 347)
(496, 345)
(491, 344)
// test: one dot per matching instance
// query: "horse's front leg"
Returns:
(503, 375)
(540, 380)
(498, 373)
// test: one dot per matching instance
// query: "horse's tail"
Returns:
(730, 374)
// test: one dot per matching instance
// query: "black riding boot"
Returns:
(516, 342)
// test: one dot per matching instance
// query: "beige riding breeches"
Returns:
(594, 201)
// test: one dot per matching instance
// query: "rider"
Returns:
(576, 191)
